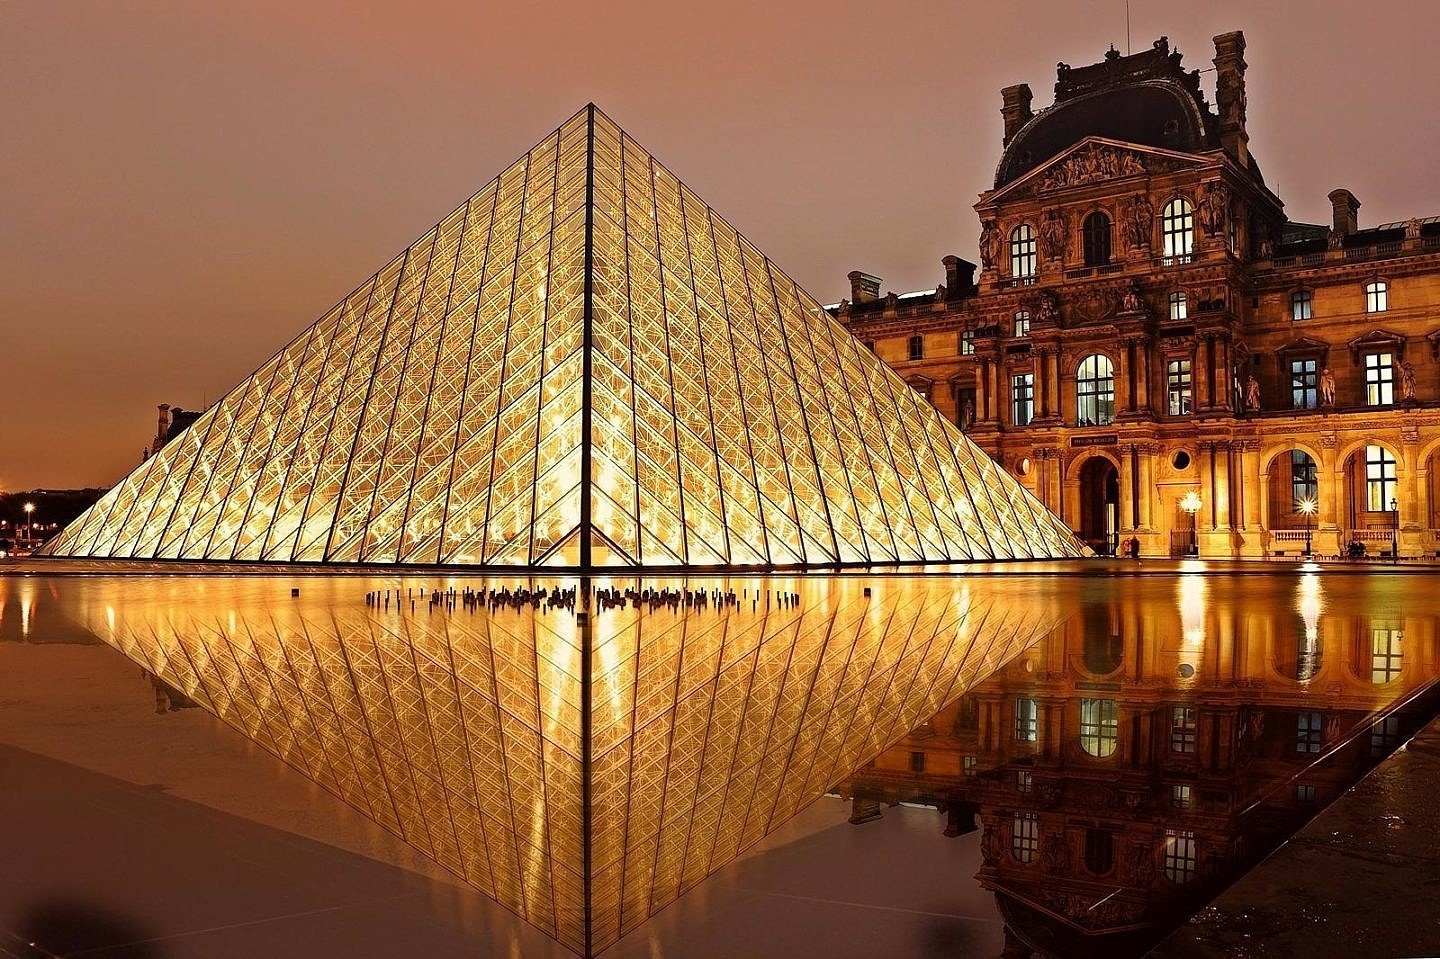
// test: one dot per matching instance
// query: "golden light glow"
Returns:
(436, 416)
(462, 731)
(1191, 502)
(1308, 506)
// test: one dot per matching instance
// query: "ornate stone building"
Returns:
(1158, 352)
(1136, 761)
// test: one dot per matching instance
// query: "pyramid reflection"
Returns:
(583, 796)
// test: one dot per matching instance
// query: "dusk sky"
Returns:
(185, 187)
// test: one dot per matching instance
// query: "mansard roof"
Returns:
(1146, 99)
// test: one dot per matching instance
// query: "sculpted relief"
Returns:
(1091, 165)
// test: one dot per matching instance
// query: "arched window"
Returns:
(1177, 230)
(1377, 297)
(1023, 255)
(1095, 391)
(1099, 726)
(1095, 235)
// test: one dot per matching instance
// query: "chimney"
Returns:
(864, 288)
(1344, 212)
(1016, 110)
(1230, 95)
(959, 275)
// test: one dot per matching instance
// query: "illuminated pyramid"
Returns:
(583, 315)
(583, 793)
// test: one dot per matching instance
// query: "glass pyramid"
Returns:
(583, 793)
(582, 366)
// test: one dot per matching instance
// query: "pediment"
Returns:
(1094, 160)
(1377, 338)
(1304, 344)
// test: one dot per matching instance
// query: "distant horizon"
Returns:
(192, 187)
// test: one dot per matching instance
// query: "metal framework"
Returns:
(468, 734)
(583, 366)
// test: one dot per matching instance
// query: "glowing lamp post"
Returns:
(29, 521)
(1307, 506)
(1395, 531)
(1191, 504)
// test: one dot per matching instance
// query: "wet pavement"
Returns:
(1361, 881)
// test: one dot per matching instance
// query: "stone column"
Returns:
(1147, 484)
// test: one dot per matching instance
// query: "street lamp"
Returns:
(29, 521)
(1190, 503)
(1307, 506)
(1395, 531)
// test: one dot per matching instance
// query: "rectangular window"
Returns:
(1179, 855)
(1379, 379)
(967, 342)
(1177, 387)
(1022, 391)
(1024, 259)
(1377, 297)
(967, 765)
(1179, 308)
(1309, 734)
(917, 762)
(1183, 729)
(1379, 479)
(1099, 726)
(1302, 305)
(1304, 484)
(917, 347)
(1384, 737)
(1024, 780)
(1305, 794)
(1180, 796)
(1385, 654)
(1025, 836)
(1027, 720)
(1304, 384)
(1021, 325)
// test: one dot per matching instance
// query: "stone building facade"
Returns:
(1159, 352)
(1122, 771)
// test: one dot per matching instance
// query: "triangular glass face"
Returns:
(584, 773)
(582, 366)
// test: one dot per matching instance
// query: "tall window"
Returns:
(1095, 391)
(1302, 305)
(1177, 231)
(1183, 729)
(1177, 387)
(1304, 477)
(1027, 720)
(1099, 851)
(1385, 655)
(967, 342)
(1022, 391)
(1308, 733)
(1304, 384)
(1021, 324)
(1179, 306)
(1377, 297)
(1379, 379)
(917, 347)
(1024, 781)
(1180, 796)
(1099, 726)
(1095, 234)
(965, 414)
(1179, 855)
(1025, 836)
(1379, 479)
(1023, 255)
(1384, 736)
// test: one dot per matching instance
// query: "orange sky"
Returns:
(184, 188)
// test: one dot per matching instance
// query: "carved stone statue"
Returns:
(990, 846)
(1335, 241)
(1047, 309)
(844, 309)
(1130, 300)
(1407, 381)
(1091, 165)
(989, 245)
(1327, 387)
(1053, 229)
(940, 291)
(1267, 248)
(1214, 206)
(892, 301)
(1412, 228)
(1056, 854)
(1140, 863)
(967, 415)
(1139, 217)
(1252, 393)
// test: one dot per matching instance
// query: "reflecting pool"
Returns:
(1105, 753)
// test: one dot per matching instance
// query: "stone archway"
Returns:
(1100, 505)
